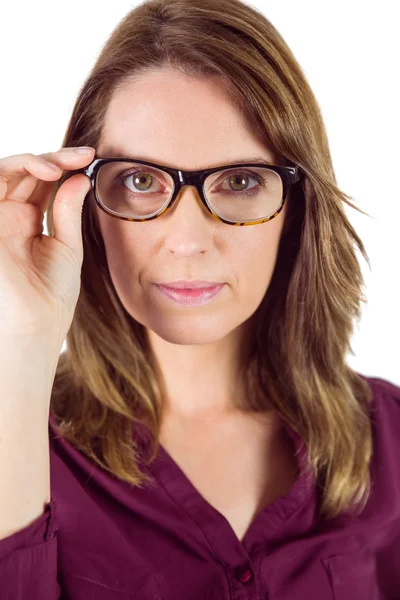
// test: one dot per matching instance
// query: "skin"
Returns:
(166, 117)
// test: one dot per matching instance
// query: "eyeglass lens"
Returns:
(235, 194)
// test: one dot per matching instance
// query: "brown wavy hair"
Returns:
(107, 380)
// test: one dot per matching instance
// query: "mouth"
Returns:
(190, 285)
(190, 296)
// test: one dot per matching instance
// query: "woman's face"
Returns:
(176, 121)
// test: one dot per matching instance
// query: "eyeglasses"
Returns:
(236, 194)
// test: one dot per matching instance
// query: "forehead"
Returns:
(167, 117)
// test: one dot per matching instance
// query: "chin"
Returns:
(192, 330)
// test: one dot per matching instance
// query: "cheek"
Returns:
(262, 254)
(128, 260)
(256, 269)
(126, 245)
(256, 251)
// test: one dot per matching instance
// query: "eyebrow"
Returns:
(246, 160)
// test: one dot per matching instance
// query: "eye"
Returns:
(239, 181)
(142, 180)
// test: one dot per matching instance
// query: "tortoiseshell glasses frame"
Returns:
(289, 175)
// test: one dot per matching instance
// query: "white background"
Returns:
(349, 51)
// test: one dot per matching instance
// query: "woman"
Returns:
(207, 438)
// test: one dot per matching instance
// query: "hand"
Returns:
(40, 275)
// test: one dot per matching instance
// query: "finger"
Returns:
(24, 172)
(63, 156)
(42, 194)
(67, 213)
(44, 190)
(31, 164)
(13, 170)
(20, 188)
(3, 187)
(21, 165)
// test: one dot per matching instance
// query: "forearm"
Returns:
(26, 380)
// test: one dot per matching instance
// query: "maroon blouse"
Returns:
(99, 539)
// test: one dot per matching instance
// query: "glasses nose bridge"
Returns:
(192, 178)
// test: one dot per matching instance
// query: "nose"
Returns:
(187, 224)
(188, 206)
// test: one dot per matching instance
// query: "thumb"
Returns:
(67, 212)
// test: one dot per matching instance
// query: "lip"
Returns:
(190, 296)
(194, 285)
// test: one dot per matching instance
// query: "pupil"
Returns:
(141, 179)
(238, 180)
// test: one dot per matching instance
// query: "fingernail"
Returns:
(83, 150)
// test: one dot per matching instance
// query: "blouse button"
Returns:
(243, 574)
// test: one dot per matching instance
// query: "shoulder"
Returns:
(385, 411)
(385, 392)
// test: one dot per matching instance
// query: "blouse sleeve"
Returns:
(28, 560)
